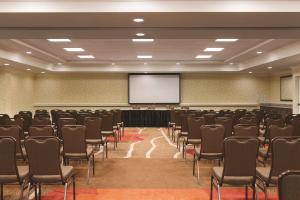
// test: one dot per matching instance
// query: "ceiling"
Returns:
(180, 29)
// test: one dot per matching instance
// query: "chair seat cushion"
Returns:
(23, 174)
(183, 134)
(106, 133)
(94, 141)
(89, 152)
(207, 155)
(193, 141)
(231, 180)
(263, 173)
(67, 172)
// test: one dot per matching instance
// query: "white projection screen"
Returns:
(154, 88)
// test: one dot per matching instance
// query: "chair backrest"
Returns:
(285, 155)
(81, 116)
(248, 120)
(288, 185)
(194, 127)
(209, 118)
(8, 157)
(93, 127)
(246, 130)
(227, 122)
(172, 116)
(184, 123)
(43, 156)
(280, 131)
(107, 122)
(212, 138)
(41, 121)
(296, 124)
(278, 122)
(74, 139)
(14, 132)
(240, 155)
(41, 131)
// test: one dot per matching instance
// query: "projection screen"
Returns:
(154, 88)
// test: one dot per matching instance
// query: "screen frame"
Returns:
(129, 74)
(281, 78)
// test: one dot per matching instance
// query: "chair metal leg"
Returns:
(183, 148)
(254, 194)
(74, 188)
(28, 190)
(93, 165)
(35, 192)
(106, 148)
(266, 192)
(22, 187)
(1, 191)
(194, 163)
(198, 170)
(65, 192)
(88, 172)
(246, 192)
(211, 187)
(219, 191)
(40, 191)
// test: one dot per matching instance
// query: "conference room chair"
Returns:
(93, 133)
(295, 122)
(285, 156)
(72, 112)
(184, 128)
(81, 116)
(4, 118)
(275, 131)
(62, 122)
(248, 120)
(62, 115)
(41, 121)
(116, 127)
(107, 128)
(209, 118)
(171, 123)
(38, 115)
(45, 165)
(239, 165)
(10, 172)
(41, 130)
(268, 122)
(177, 127)
(120, 122)
(16, 121)
(288, 185)
(246, 130)
(75, 147)
(211, 145)
(271, 115)
(16, 133)
(227, 122)
(41, 111)
(27, 116)
(240, 112)
(194, 133)
(54, 115)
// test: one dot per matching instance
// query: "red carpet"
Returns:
(151, 194)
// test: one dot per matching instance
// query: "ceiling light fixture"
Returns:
(29, 52)
(43, 72)
(140, 34)
(226, 40)
(59, 40)
(6, 64)
(142, 40)
(59, 63)
(113, 63)
(74, 49)
(138, 20)
(203, 56)
(86, 56)
(144, 56)
(213, 49)
(259, 52)
(270, 67)
(250, 72)
(28, 69)
(178, 63)
(231, 63)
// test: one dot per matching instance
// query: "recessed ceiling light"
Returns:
(6, 64)
(85, 56)
(28, 52)
(178, 63)
(43, 72)
(142, 40)
(250, 72)
(74, 49)
(270, 67)
(226, 40)
(59, 40)
(28, 69)
(138, 20)
(113, 63)
(259, 52)
(140, 34)
(144, 56)
(214, 49)
(203, 56)
(231, 63)
(145, 63)
(59, 63)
